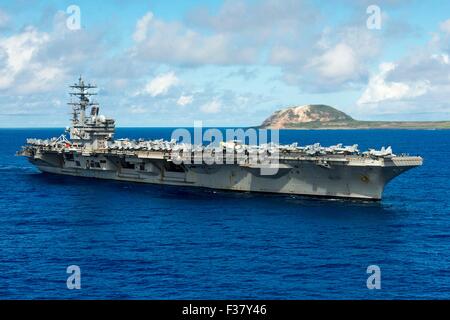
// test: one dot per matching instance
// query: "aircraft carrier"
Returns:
(91, 151)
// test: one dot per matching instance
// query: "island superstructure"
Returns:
(91, 151)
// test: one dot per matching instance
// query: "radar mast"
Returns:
(81, 92)
(88, 129)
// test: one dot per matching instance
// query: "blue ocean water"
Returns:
(136, 241)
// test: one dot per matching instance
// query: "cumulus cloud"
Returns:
(34, 61)
(338, 62)
(4, 19)
(380, 90)
(258, 21)
(17, 53)
(286, 40)
(445, 26)
(20, 48)
(213, 106)
(442, 58)
(137, 109)
(266, 32)
(142, 26)
(418, 82)
(185, 100)
(237, 34)
(283, 55)
(161, 84)
(172, 42)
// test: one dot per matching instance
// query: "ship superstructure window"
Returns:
(94, 111)
(142, 167)
(77, 163)
(69, 156)
(128, 165)
(170, 166)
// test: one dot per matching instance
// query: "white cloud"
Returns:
(161, 84)
(213, 106)
(442, 58)
(259, 20)
(380, 90)
(281, 55)
(34, 61)
(142, 25)
(445, 26)
(185, 100)
(417, 83)
(173, 42)
(21, 47)
(4, 19)
(287, 40)
(268, 32)
(336, 60)
(137, 110)
(339, 62)
(18, 53)
(239, 32)
(43, 78)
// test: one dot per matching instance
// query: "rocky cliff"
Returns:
(308, 115)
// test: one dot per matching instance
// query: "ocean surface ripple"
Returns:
(135, 241)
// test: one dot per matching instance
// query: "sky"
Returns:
(225, 63)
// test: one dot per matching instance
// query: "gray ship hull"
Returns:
(355, 179)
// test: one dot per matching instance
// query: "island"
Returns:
(319, 116)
